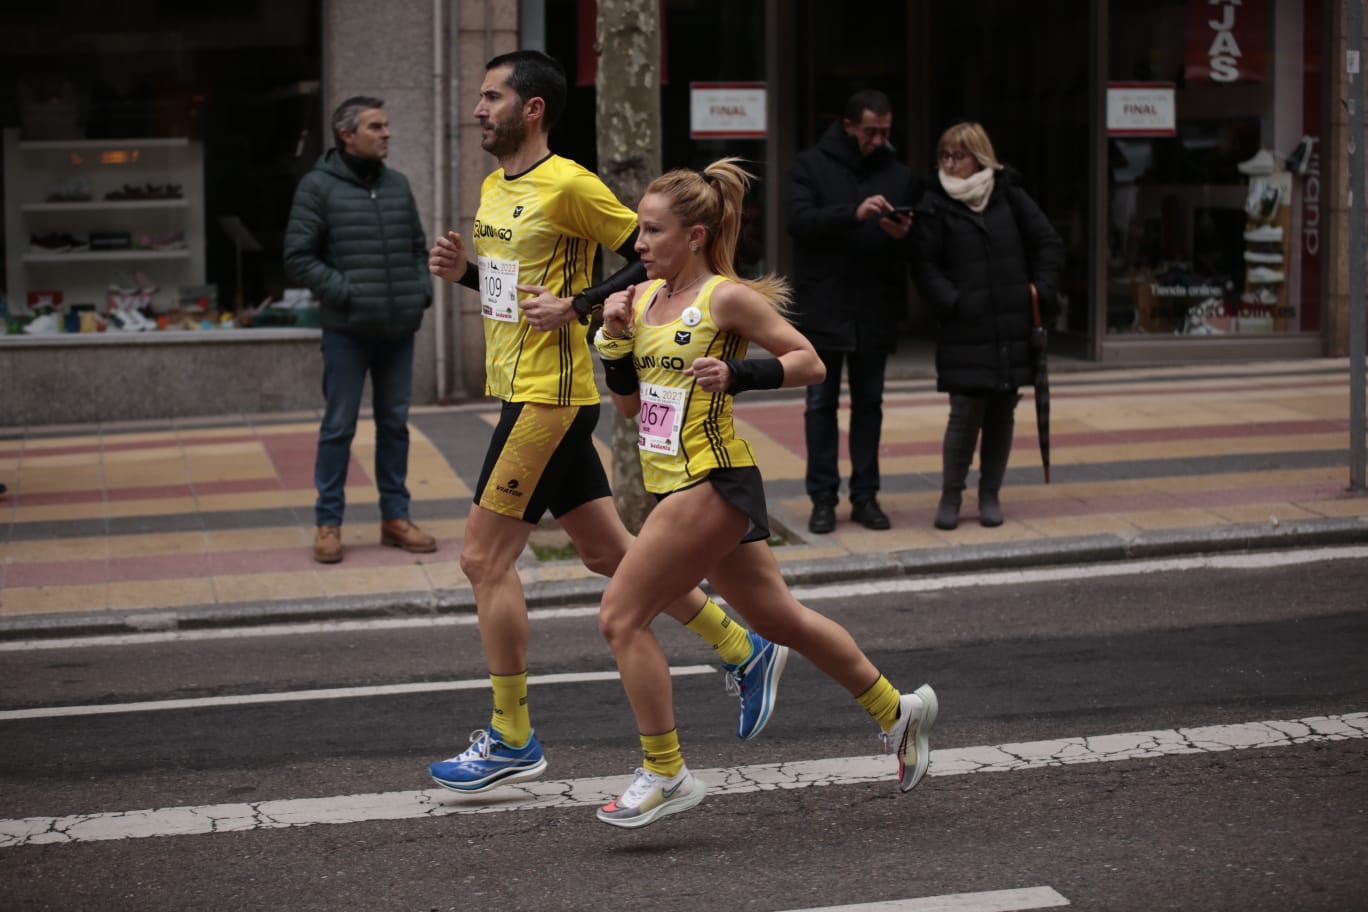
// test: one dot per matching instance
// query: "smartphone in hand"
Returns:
(897, 210)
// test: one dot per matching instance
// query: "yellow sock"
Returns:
(661, 755)
(728, 638)
(881, 702)
(511, 718)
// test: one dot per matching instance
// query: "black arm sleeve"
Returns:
(591, 299)
(471, 278)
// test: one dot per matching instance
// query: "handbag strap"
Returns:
(1035, 305)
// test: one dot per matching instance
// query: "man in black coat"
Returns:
(849, 278)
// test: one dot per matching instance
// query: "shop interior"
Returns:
(150, 154)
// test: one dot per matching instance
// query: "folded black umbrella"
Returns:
(1040, 353)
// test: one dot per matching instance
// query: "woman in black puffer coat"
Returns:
(982, 244)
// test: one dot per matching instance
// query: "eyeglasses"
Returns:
(953, 155)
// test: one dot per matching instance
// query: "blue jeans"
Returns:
(865, 370)
(346, 360)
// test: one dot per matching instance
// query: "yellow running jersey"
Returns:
(541, 227)
(683, 431)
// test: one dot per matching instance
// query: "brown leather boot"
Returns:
(328, 544)
(402, 533)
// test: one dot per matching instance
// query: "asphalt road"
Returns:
(1029, 791)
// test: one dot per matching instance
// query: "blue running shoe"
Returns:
(489, 762)
(756, 682)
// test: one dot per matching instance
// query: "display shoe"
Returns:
(1263, 200)
(1300, 159)
(137, 322)
(327, 547)
(123, 283)
(1265, 234)
(121, 322)
(402, 533)
(144, 283)
(1255, 256)
(1262, 163)
(1264, 275)
(46, 325)
(1262, 296)
(52, 242)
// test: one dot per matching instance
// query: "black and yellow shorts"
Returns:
(743, 488)
(542, 457)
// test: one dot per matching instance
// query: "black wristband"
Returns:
(470, 278)
(620, 375)
(585, 308)
(760, 374)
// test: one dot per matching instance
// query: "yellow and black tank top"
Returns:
(541, 227)
(684, 432)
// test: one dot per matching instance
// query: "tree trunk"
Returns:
(628, 87)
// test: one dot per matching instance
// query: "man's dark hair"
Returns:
(867, 100)
(344, 118)
(536, 75)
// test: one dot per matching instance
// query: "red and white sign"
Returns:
(1227, 41)
(1141, 109)
(727, 110)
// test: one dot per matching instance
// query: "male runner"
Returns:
(539, 224)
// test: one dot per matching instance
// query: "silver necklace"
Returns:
(671, 293)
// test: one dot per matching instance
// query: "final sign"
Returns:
(1141, 109)
(727, 110)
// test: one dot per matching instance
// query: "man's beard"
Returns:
(506, 138)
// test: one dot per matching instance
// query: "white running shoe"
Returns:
(45, 325)
(1265, 234)
(651, 797)
(1264, 275)
(1254, 256)
(1261, 163)
(910, 735)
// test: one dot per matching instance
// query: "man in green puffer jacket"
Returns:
(356, 241)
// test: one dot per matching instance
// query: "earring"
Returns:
(693, 248)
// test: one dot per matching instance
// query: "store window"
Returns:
(150, 154)
(1213, 167)
(704, 41)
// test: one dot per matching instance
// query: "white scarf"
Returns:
(973, 190)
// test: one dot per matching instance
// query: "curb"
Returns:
(1110, 548)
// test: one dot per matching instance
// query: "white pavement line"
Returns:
(331, 693)
(589, 792)
(1257, 561)
(990, 901)
(305, 628)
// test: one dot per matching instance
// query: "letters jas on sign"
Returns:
(1225, 50)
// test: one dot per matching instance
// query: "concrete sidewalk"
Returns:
(210, 521)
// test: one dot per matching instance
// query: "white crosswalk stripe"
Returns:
(990, 901)
(575, 793)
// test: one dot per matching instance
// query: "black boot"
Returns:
(947, 511)
(957, 452)
(823, 518)
(999, 423)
